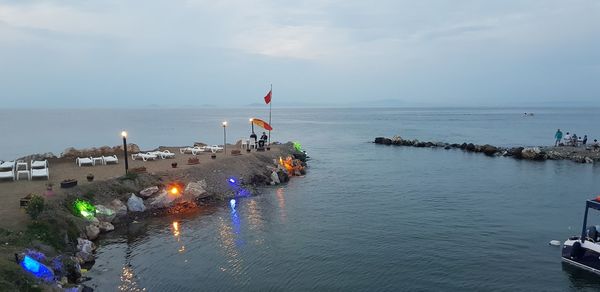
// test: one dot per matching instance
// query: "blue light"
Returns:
(36, 268)
(231, 180)
(232, 204)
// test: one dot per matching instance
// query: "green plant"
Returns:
(35, 206)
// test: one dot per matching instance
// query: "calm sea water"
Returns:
(366, 217)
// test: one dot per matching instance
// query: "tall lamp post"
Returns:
(225, 138)
(124, 135)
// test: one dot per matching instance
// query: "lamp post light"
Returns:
(225, 138)
(124, 135)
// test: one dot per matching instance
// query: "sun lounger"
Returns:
(7, 170)
(110, 159)
(40, 172)
(39, 163)
(193, 150)
(163, 154)
(215, 148)
(144, 156)
(84, 161)
(7, 165)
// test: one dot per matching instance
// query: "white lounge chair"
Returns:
(7, 170)
(144, 156)
(39, 163)
(215, 148)
(193, 150)
(163, 154)
(84, 161)
(110, 159)
(41, 171)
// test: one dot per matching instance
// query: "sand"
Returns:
(13, 217)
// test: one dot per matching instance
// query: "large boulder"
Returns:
(489, 150)
(530, 153)
(379, 140)
(195, 190)
(85, 245)
(92, 232)
(119, 208)
(135, 204)
(105, 214)
(106, 227)
(275, 178)
(147, 192)
(516, 152)
(162, 200)
(470, 147)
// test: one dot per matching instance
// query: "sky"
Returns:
(178, 53)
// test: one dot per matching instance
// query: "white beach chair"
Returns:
(215, 148)
(41, 169)
(84, 161)
(110, 159)
(163, 154)
(245, 143)
(144, 156)
(22, 168)
(193, 150)
(7, 170)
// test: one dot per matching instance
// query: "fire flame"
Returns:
(290, 165)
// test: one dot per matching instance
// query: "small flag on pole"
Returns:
(268, 97)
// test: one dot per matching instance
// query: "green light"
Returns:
(84, 208)
(298, 146)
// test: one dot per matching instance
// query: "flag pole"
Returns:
(270, 106)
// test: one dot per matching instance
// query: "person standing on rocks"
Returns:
(567, 139)
(584, 140)
(558, 136)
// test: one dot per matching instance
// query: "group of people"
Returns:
(573, 140)
(260, 143)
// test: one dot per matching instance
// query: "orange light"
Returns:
(174, 190)
(176, 225)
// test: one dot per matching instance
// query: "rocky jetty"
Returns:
(538, 153)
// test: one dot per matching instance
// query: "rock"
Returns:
(397, 140)
(93, 221)
(463, 146)
(162, 200)
(147, 192)
(489, 150)
(387, 141)
(92, 232)
(119, 208)
(588, 160)
(105, 214)
(516, 152)
(554, 155)
(530, 153)
(379, 140)
(84, 245)
(448, 147)
(106, 227)
(135, 204)
(68, 267)
(275, 178)
(470, 147)
(283, 175)
(195, 190)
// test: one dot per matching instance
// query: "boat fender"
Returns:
(577, 251)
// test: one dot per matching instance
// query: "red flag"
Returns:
(268, 97)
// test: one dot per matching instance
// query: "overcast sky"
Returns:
(226, 52)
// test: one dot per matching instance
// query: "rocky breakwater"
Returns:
(90, 210)
(538, 153)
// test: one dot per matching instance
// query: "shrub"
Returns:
(35, 206)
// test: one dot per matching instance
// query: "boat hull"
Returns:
(584, 255)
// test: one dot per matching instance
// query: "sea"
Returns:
(366, 217)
